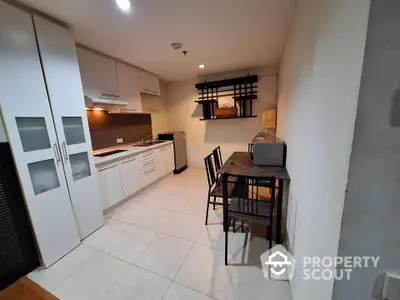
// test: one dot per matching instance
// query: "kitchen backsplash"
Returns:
(106, 128)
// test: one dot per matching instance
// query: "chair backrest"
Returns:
(250, 147)
(217, 158)
(249, 202)
(210, 169)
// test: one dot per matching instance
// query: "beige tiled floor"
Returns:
(157, 247)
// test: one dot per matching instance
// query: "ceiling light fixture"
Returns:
(124, 5)
(201, 66)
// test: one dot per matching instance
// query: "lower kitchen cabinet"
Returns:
(170, 159)
(123, 178)
(110, 185)
(129, 170)
(161, 162)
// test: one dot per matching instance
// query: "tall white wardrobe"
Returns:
(44, 116)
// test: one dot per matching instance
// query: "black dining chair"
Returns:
(248, 205)
(218, 162)
(214, 185)
(250, 147)
(217, 158)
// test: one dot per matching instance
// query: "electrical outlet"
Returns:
(120, 141)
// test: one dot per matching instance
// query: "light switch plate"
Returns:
(120, 141)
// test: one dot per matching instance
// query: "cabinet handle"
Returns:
(150, 171)
(57, 153)
(65, 151)
(147, 156)
(107, 167)
(109, 95)
(149, 163)
(128, 160)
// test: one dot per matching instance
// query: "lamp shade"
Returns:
(269, 118)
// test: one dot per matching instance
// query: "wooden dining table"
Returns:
(241, 164)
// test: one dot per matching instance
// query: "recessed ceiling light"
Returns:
(201, 66)
(124, 5)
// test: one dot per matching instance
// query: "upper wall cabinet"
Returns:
(149, 83)
(99, 74)
(128, 81)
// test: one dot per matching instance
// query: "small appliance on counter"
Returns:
(180, 156)
(268, 150)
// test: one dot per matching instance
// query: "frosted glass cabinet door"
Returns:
(44, 176)
(80, 165)
(73, 130)
(33, 133)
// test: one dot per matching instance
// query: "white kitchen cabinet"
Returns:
(110, 185)
(129, 89)
(170, 158)
(130, 177)
(99, 74)
(161, 162)
(149, 83)
(152, 103)
(147, 167)
(28, 121)
(148, 176)
(70, 121)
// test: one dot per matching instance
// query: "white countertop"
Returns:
(131, 150)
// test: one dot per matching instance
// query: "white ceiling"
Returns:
(225, 35)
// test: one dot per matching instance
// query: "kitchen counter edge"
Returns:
(131, 151)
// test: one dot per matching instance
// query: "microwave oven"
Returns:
(268, 151)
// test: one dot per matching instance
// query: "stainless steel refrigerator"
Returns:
(180, 156)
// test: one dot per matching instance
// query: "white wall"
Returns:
(203, 136)
(318, 91)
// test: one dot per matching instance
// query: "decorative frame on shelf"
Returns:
(243, 91)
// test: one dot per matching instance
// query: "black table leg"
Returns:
(279, 212)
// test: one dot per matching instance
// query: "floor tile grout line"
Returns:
(173, 280)
(193, 289)
(183, 261)
(170, 283)
(90, 259)
(114, 283)
(131, 264)
(160, 232)
(169, 279)
(155, 231)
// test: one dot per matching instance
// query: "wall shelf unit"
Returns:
(242, 90)
(225, 118)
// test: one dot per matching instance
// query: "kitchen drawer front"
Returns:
(147, 155)
(147, 176)
(146, 164)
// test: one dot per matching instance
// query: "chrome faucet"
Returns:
(150, 136)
